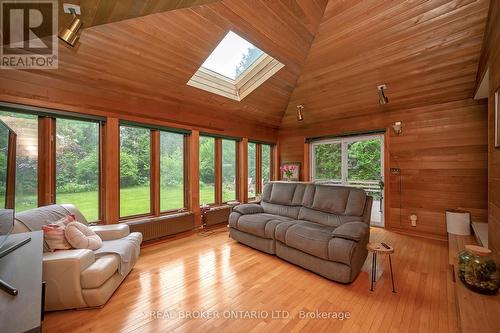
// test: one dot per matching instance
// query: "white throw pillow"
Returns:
(81, 236)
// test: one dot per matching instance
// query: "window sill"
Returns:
(145, 219)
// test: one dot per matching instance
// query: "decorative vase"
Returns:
(477, 270)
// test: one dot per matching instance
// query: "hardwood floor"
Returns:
(216, 274)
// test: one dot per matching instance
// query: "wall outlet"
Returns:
(413, 220)
(395, 171)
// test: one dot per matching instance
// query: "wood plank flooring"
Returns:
(216, 274)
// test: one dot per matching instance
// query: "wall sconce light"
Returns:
(397, 127)
(70, 35)
(382, 99)
(300, 116)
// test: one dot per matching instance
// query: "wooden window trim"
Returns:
(258, 169)
(46, 161)
(154, 172)
(10, 185)
(218, 170)
(186, 176)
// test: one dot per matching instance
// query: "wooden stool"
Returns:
(378, 248)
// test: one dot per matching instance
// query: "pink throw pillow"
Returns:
(81, 236)
(54, 236)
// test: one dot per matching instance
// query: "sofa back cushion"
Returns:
(283, 199)
(338, 200)
(289, 194)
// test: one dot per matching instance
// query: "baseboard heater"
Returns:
(217, 215)
(162, 226)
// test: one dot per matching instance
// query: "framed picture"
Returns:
(497, 118)
(291, 168)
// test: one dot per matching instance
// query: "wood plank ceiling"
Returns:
(141, 66)
(426, 52)
(97, 12)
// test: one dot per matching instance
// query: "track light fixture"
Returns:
(300, 116)
(70, 34)
(382, 99)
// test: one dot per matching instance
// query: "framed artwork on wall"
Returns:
(290, 171)
(497, 118)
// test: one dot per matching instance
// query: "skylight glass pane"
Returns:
(232, 56)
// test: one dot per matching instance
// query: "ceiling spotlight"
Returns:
(70, 34)
(300, 116)
(382, 99)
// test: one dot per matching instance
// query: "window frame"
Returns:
(236, 177)
(100, 138)
(157, 174)
(218, 196)
(154, 173)
(258, 166)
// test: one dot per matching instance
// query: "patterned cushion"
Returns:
(53, 235)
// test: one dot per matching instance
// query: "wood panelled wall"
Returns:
(491, 60)
(427, 53)
(442, 154)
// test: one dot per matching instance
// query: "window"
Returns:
(252, 171)
(235, 68)
(207, 170)
(171, 171)
(26, 128)
(266, 164)
(228, 170)
(77, 165)
(135, 151)
(353, 161)
(233, 56)
(327, 161)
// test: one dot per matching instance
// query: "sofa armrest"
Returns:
(355, 231)
(61, 273)
(112, 231)
(245, 209)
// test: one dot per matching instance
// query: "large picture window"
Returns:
(171, 171)
(135, 156)
(207, 170)
(26, 128)
(228, 170)
(77, 165)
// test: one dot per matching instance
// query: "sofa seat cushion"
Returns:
(308, 237)
(100, 271)
(262, 225)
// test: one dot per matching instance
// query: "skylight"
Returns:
(232, 57)
(235, 68)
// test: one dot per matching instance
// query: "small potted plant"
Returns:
(288, 170)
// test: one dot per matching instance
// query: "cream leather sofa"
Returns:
(77, 278)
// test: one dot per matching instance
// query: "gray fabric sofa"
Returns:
(322, 228)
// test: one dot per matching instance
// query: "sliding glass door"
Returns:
(356, 161)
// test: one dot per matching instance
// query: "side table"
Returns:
(378, 248)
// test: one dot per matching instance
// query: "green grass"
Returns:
(133, 200)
